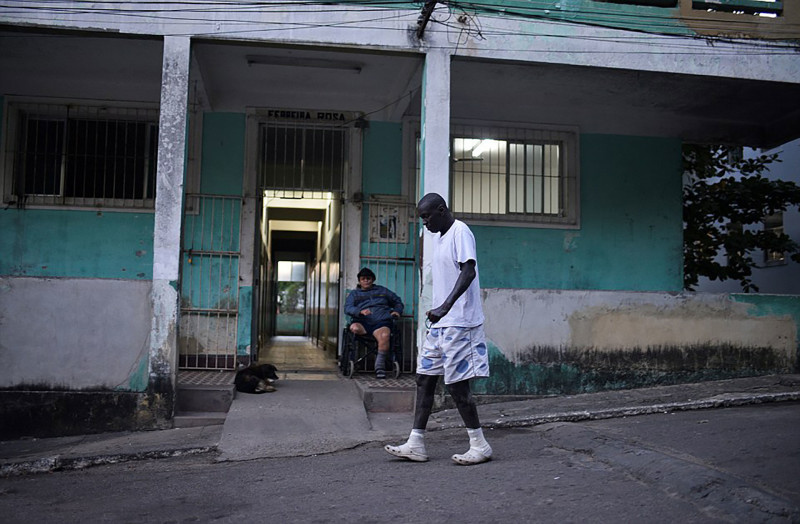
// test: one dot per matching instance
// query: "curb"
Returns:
(59, 463)
(721, 401)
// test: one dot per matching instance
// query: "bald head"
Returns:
(433, 211)
(433, 200)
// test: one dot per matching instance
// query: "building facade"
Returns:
(159, 162)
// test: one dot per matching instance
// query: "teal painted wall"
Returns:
(223, 153)
(630, 236)
(382, 158)
(210, 271)
(75, 243)
(78, 244)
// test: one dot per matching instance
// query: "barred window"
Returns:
(764, 8)
(80, 155)
(774, 224)
(514, 175)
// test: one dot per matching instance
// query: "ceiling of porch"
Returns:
(385, 86)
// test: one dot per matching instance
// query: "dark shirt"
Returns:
(378, 299)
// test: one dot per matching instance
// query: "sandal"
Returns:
(380, 373)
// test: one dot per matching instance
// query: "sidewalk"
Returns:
(64, 453)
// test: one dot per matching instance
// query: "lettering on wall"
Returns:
(308, 115)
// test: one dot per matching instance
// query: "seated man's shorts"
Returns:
(458, 353)
(370, 327)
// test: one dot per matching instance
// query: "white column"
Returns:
(436, 123)
(168, 213)
(435, 152)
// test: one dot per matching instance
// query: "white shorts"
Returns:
(458, 353)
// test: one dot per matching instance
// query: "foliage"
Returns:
(291, 296)
(723, 194)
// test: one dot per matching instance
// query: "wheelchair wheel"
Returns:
(396, 369)
(351, 369)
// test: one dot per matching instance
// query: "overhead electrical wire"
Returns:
(599, 14)
(469, 11)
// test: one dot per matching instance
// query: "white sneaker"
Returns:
(473, 456)
(407, 451)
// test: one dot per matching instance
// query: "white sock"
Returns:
(478, 441)
(417, 437)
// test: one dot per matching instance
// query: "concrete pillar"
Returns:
(165, 295)
(435, 152)
(436, 123)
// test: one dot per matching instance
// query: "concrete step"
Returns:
(205, 397)
(390, 395)
(193, 419)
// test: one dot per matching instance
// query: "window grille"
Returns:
(80, 155)
(298, 158)
(768, 8)
(513, 175)
(774, 224)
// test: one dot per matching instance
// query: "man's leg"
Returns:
(414, 447)
(462, 396)
(357, 329)
(479, 450)
(382, 335)
(426, 388)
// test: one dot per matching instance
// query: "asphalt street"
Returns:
(721, 465)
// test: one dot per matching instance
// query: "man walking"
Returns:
(455, 345)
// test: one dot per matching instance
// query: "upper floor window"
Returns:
(81, 155)
(514, 175)
(774, 224)
(768, 8)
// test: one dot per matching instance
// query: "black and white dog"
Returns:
(256, 378)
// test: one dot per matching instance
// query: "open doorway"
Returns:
(301, 164)
(299, 266)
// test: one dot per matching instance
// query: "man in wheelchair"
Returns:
(371, 309)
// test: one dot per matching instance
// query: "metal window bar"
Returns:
(510, 174)
(209, 284)
(302, 158)
(81, 155)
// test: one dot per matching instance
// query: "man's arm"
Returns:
(465, 278)
(350, 305)
(397, 303)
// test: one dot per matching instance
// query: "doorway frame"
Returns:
(253, 215)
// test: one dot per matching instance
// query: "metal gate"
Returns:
(210, 282)
(392, 253)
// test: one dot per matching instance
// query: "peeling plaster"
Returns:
(518, 321)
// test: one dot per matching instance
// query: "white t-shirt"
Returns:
(456, 246)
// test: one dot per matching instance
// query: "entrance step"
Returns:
(389, 395)
(203, 398)
(194, 419)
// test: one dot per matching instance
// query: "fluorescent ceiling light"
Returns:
(482, 146)
(319, 63)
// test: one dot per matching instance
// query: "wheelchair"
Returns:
(357, 349)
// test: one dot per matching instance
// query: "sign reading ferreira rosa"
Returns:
(311, 115)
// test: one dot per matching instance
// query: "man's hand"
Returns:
(435, 315)
(395, 314)
(365, 312)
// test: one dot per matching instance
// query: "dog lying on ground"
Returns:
(256, 378)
